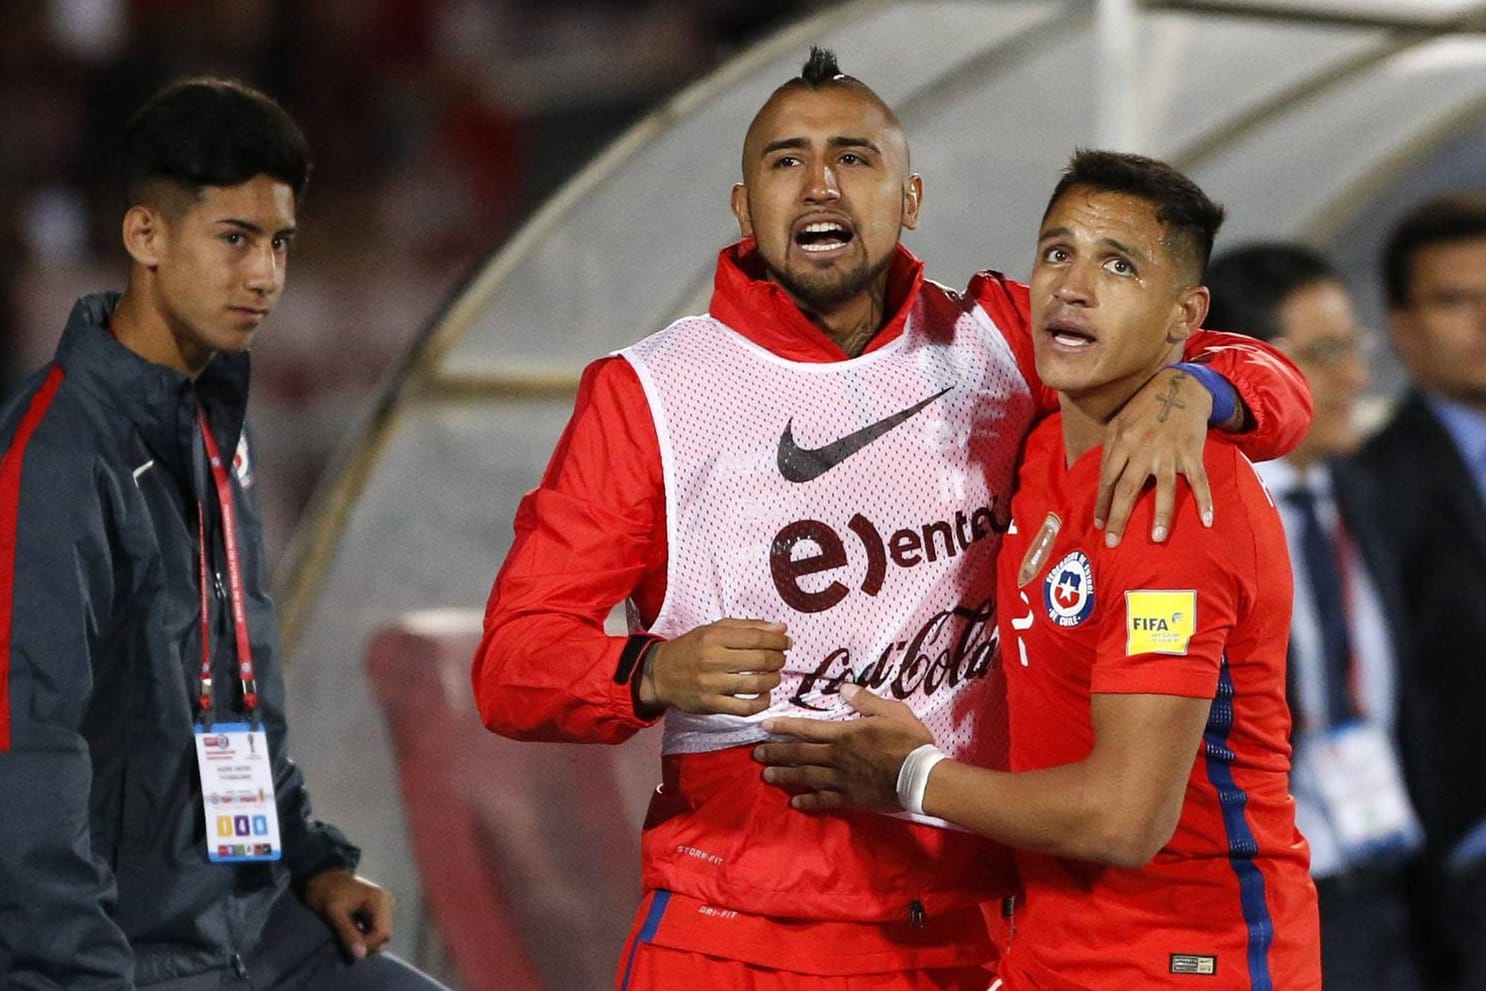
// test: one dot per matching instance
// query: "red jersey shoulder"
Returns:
(1006, 301)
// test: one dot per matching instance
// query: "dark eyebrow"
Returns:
(784, 143)
(1123, 249)
(838, 142)
(845, 142)
(249, 227)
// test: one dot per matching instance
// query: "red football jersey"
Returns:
(1228, 902)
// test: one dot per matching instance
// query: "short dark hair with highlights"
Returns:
(1181, 207)
(1248, 284)
(211, 132)
(1442, 220)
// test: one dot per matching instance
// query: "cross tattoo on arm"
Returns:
(1168, 400)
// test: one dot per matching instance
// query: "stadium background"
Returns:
(507, 189)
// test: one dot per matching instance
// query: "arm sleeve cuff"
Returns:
(1225, 396)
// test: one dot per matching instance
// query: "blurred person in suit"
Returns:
(1429, 466)
(1346, 640)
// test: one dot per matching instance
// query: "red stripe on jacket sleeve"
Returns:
(10, 505)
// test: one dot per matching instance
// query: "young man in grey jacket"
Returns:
(154, 828)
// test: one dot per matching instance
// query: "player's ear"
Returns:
(913, 199)
(144, 234)
(1191, 311)
(739, 204)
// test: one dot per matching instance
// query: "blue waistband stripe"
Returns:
(647, 932)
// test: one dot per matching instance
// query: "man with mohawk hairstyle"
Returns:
(806, 487)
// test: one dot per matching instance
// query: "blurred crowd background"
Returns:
(436, 127)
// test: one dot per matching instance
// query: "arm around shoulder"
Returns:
(1272, 391)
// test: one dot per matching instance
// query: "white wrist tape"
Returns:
(913, 776)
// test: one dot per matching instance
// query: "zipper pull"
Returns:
(217, 586)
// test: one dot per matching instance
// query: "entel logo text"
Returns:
(908, 547)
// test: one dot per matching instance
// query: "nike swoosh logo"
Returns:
(801, 464)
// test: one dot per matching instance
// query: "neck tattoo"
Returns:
(855, 339)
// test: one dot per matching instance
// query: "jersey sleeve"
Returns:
(1272, 389)
(590, 536)
(1009, 307)
(1172, 607)
(57, 598)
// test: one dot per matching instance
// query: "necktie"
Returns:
(1323, 569)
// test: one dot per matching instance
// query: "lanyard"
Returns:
(234, 583)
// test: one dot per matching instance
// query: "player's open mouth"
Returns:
(823, 235)
(1069, 337)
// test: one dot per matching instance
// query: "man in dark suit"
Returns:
(1345, 645)
(1429, 464)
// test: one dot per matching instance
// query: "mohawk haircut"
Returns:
(820, 72)
(821, 68)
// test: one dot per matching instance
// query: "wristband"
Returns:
(913, 776)
(635, 647)
(1225, 396)
(631, 667)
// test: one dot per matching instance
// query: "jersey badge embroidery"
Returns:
(1068, 592)
(1159, 621)
(1038, 550)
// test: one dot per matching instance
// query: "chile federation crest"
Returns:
(1068, 592)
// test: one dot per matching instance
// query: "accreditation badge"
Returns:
(242, 817)
(1357, 776)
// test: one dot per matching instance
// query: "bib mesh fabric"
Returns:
(860, 502)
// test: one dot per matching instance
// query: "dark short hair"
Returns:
(1248, 284)
(1181, 207)
(212, 132)
(1456, 217)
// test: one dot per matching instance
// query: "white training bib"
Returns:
(860, 502)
